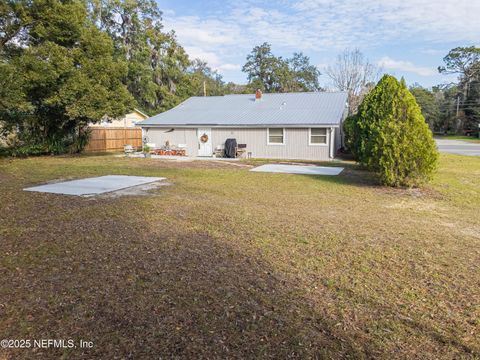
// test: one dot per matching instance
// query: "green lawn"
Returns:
(226, 263)
(460, 137)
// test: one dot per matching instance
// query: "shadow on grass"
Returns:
(96, 154)
(90, 269)
(141, 294)
(335, 163)
(353, 174)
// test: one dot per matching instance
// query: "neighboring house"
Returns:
(279, 126)
(129, 120)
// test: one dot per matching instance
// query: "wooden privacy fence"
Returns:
(113, 138)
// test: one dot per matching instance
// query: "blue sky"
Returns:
(406, 38)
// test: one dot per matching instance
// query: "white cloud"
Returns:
(316, 23)
(168, 12)
(377, 20)
(322, 66)
(434, 52)
(223, 37)
(391, 64)
(229, 67)
(212, 59)
(196, 52)
(199, 31)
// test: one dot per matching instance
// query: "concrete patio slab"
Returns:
(299, 169)
(181, 158)
(94, 186)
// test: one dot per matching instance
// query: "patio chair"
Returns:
(241, 150)
(128, 149)
(219, 151)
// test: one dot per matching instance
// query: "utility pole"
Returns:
(458, 105)
(204, 88)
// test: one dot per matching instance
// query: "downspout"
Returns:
(332, 142)
(144, 136)
(345, 114)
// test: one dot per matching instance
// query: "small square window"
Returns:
(275, 136)
(318, 136)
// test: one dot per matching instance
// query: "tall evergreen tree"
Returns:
(304, 75)
(429, 103)
(66, 74)
(275, 74)
(447, 98)
(264, 69)
(157, 64)
(465, 61)
(390, 136)
(201, 80)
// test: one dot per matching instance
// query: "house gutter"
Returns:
(262, 126)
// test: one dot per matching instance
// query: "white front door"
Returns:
(204, 136)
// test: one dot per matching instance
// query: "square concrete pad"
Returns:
(299, 169)
(94, 186)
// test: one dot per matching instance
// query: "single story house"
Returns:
(129, 120)
(278, 126)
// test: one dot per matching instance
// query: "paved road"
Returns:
(458, 147)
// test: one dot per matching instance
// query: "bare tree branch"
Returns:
(354, 74)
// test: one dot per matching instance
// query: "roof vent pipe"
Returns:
(258, 95)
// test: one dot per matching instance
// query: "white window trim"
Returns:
(310, 138)
(284, 137)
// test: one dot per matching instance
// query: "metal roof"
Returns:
(288, 109)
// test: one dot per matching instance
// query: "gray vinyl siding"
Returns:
(296, 142)
(187, 136)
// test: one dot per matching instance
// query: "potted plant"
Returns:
(146, 151)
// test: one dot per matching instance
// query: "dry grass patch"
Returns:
(227, 263)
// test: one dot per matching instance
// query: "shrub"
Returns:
(390, 136)
(24, 150)
(73, 141)
(350, 138)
